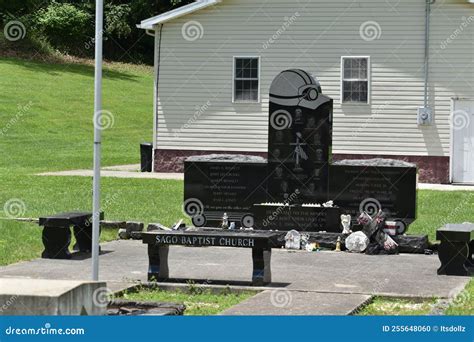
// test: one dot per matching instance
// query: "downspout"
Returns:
(425, 113)
(157, 61)
(427, 49)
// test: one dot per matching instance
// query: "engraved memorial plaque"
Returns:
(215, 185)
(374, 184)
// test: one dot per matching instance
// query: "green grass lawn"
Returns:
(437, 208)
(397, 307)
(52, 107)
(198, 303)
(463, 304)
(46, 124)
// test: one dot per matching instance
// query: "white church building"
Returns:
(401, 74)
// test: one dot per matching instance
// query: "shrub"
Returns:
(65, 25)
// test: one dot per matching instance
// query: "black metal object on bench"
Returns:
(57, 234)
(455, 251)
(261, 244)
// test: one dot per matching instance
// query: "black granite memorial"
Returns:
(370, 185)
(299, 139)
(223, 184)
(261, 244)
(299, 145)
(298, 176)
(56, 234)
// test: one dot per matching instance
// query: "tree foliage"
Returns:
(62, 24)
(68, 25)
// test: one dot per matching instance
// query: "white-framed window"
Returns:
(355, 79)
(246, 79)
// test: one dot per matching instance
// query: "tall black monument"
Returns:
(290, 190)
(300, 138)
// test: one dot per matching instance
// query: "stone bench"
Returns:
(261, 244)
(456, 248)
(57, 234)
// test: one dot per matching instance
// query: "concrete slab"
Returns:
(328, 272)
(115, 174)
(446, 187)
(43, 297)
(280, 302)
(128, 167)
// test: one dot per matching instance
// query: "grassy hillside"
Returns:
(46, 113)
(46, 124)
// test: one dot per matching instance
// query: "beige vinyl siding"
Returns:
(194, 73)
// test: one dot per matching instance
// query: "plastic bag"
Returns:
(357, 242)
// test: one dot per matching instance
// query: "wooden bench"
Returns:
(260, 242)
(455, 251)
(57, 234)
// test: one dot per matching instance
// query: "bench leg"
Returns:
(470, 261)
(454, 257)
(262, 273)
(56, 243)
(158, 262)
(83, 237)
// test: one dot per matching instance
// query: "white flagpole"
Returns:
(99, 18)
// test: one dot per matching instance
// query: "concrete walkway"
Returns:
(446, 187)
(133, 171)
(298, 303)
(128, 167)
(323, 283)
(119, 171)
